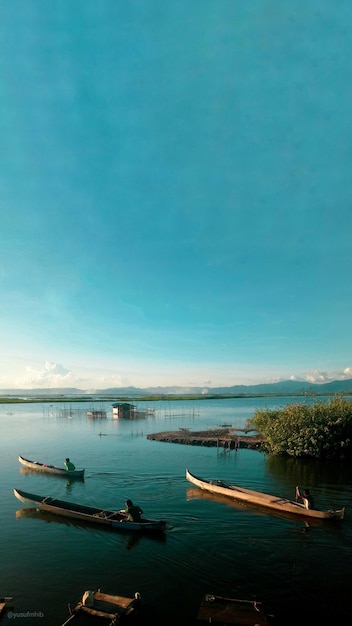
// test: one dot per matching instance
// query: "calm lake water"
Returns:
(211, 546)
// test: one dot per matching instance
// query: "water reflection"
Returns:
(215, 545)
(309, 471)
(199, 494)
(325, 479)
(70, 479)
(130, 539)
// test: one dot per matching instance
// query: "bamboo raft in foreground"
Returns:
(103, 605)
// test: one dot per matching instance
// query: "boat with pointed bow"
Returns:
(51, 469)
(116, 520)
(262, 499)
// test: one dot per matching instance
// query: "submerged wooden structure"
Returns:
(222, 611)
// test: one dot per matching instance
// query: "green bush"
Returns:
(323, 430)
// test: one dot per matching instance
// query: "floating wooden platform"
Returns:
(227, 438)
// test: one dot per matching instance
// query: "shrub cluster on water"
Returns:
(322, 430)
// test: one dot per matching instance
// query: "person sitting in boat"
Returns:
(69, 465)
(306, 498)
(133, 511)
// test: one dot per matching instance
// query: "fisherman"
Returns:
(133, 511)
(306, 498)
(69, 465)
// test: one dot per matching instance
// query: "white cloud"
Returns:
(52, 375)
(91, 378)
(56, 375)
(103, 382)
(315, 376)
(318, 376)
(347, 373)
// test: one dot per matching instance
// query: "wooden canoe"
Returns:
(112, 519)
(51, 469)
(224, 611)
(194, 493)
(106, 606)
(262, 499)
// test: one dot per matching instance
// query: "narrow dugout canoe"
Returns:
(50, 469)
(194, 493)
(104, 605)
(262, 499)
(113, 519)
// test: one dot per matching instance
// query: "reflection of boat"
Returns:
(25, 471)
(105, 606)
(132, 539)
(218, 610)
(262, 499)
(112, 519)
(194, 493)
(51, 469)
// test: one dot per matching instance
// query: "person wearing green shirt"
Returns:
(69, 465)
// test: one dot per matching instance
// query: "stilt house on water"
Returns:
(124, 410)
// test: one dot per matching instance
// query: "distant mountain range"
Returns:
(288, 387)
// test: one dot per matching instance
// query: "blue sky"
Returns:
(175, 192)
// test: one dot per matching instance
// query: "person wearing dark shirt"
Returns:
(306, 498)
(133, 511)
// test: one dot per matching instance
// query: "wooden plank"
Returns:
(120, 601)
(87, 609)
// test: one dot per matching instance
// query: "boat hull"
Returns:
(112, 519)
(262, 499)
(50, 469)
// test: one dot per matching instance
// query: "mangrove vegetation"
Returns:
(322, 430)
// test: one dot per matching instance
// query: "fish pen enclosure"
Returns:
(65, 412)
